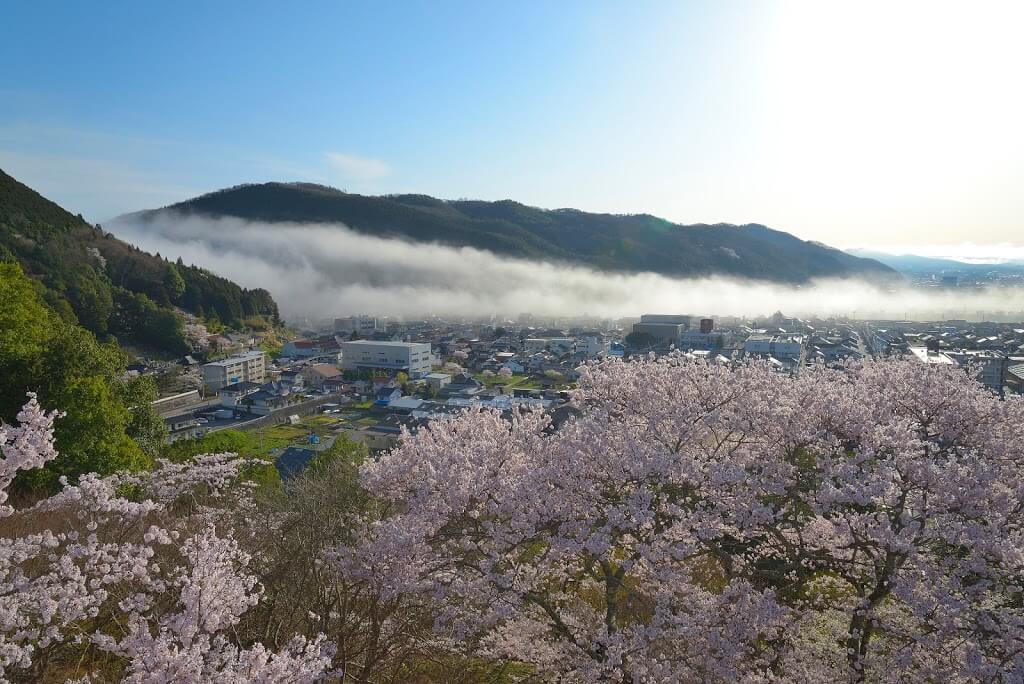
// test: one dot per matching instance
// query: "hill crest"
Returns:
(609, 242)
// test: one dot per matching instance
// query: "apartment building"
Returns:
(247, 367)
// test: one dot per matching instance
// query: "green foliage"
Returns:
(23, 327)
(91, 300)
(263, 474)
(233, 441)
(271, 348)
(343, 453)
(257, 323)
(213, 324)
(145, 427)
(138, 317)
(92, 437)
(247, 444)
(174, 284)
(71, 371)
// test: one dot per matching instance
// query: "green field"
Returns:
(263, 442)
(515, 382)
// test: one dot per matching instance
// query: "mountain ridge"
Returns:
(607, 242)
(915, 264)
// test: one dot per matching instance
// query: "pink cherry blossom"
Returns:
(701, 523)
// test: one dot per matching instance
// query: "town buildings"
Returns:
(991, 367)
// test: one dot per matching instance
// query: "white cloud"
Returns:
(349, 167)
(322, 271)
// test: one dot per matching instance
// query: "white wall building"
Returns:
(247, 367)
(364, 326)
(779, 346)
(436, 381)
(592, 347)
(413, 358)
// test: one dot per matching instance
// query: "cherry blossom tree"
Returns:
(505, 372)
(701, 523)
(25, 446)
(197, 336)
(688, 522)
(131, 565)
(187, 574)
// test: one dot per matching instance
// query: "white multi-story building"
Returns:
(247, 367)
(364, 326)
(413, 358)
(779, 346)
(592, 347)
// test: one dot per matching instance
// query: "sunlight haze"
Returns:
(846, 124)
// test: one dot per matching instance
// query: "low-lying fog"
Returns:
(322, 271)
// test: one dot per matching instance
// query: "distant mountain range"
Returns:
(631, 243)
(91, 278)
(914, 265)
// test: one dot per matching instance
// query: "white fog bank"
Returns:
(322, 271)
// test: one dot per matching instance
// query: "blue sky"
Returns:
(846, 126)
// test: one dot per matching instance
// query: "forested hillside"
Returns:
(112, 289)
(110, 424)
(639, 242)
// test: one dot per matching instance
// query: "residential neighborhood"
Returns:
(373, 379)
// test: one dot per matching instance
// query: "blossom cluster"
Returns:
(700, 523)
(131, 565)
(687, 522)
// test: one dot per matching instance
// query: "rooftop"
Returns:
(923, 355)
(231, 360)
(382, 343)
